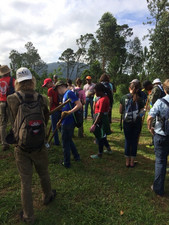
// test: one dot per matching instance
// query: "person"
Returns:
(130, 107)
(6, 84)
(70, 85)
(89, 92)
(53, 103)
(157, 92)
(101, 126)
(55, 78)
(81, 95)
(140, 93)
(104, 79)
(68, 123)
(25, 156)
(161, 139)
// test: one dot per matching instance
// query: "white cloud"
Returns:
(53, 25)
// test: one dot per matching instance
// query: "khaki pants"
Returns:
(25, 162)
(3, 121)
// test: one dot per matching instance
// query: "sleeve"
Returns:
(72, 96)
(13, 104)
(155, 110)
(156, 93)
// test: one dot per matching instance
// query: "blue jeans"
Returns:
(161, 147)
(89, 101)
(55, 117)
(131, 132)
(68, 144)
(103, 142)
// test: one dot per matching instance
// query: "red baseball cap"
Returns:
(47, 80)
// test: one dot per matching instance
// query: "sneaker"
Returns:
(63, 164)
(109, 152)
(28, 221)
(150, 146)
(95, 156)
(51, 198)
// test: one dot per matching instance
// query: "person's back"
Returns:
(25, 156)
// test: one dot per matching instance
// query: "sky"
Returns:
(54, 25)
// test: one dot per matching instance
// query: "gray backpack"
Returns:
(29, 126)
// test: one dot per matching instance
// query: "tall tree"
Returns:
(159, 37)
(68, 56)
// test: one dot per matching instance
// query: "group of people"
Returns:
(29, 114)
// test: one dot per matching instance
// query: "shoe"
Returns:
(95, 156)
(63, 164)
(150, 146)
(26, 220)
(109, 152)
(132, 166)
(152, 188)
(51, 198)
(128, 165)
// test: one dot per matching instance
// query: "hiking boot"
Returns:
(51, 198)
(5, 147)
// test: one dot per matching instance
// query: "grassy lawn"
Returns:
(92, 192)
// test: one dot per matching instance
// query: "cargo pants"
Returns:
(25, 162)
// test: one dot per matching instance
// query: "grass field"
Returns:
(92, 192)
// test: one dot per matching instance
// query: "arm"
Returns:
(149, 124)
(121, 109)
(50, 102)
(77, 106)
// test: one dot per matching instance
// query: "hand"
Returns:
(65, 113)
(58, 125)
(152, 130)
(92, 128)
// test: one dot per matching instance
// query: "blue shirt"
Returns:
(158, 110)
(69, 94)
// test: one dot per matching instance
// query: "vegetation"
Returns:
(92, 192)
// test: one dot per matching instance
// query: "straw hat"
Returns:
(4, 70)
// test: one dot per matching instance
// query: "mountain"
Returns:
(73, 71)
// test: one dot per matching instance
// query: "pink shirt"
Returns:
(89, 88)
(81, 94)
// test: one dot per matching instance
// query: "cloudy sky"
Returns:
(54, 25)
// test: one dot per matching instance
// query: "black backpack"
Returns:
(165, 119)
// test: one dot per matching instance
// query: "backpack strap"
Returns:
(165, 101)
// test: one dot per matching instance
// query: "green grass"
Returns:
(92, 191)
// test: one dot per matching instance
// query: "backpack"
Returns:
(78, 116)
(29, 125)
(131, 111)
(165, 119)
(108, 92)
(11, 88)
(162, 91)
(76, 91)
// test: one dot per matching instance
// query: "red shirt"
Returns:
(102, 105)
(55, 98)
(4, 85)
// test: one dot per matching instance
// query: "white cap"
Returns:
(135, 81)
(22, 74)
(157, 80)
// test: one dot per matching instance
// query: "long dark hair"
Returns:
(135, 88)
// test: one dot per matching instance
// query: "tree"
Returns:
(30, 59)
(112, 39)
(68, 57)
(159, 37)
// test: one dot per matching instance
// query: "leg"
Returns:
(3, 124)
(80, 132)
(24, 165)
(54, 120)
(72, 145)
(161, 152)
(91, 106)
(101, 145)
(135, 135)
(66, 139)
(86, 107)
(40, 160)
(128, 139)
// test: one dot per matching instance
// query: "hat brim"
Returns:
(2, 74)
(24, 78)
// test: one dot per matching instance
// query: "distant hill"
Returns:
(73, 74)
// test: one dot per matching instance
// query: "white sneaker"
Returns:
(108, 152)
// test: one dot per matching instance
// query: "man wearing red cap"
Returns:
(53, 103)
(89, 92)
